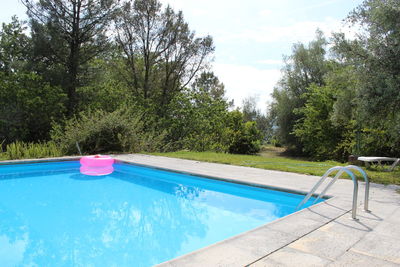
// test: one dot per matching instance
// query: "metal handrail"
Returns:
(79, 149)
(350, 167)
(366, 194)
(340, 170)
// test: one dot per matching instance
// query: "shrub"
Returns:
(242, 138)
(21, 150)
(100, 131)
(28, 105)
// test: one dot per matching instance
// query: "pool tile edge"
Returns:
(26, 161)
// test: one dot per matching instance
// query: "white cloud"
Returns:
(270, 62)
(265, 12)
(319, 4)
(242, 81)
(302, 31)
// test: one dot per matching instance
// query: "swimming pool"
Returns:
(51, 215)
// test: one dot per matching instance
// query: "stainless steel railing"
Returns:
(340, 170)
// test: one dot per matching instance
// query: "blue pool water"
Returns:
(51, 215)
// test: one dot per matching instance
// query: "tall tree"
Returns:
(69, 33)
(375, 55)
(327, 119)
(28, 105)
(14, 46)
(210, 84)
(197, 116)
(307, 65)
(252, 113)
(249, 108)
(161, 52)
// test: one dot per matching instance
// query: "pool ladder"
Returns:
(340, 170)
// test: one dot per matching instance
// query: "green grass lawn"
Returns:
(272, 158)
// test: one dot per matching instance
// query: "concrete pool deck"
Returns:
(321, 235)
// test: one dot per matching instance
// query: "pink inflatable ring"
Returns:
(96, 165)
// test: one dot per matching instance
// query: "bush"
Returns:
(28, 105)
(196, 121)
(100, 131)
(21, 150)
(242, 138)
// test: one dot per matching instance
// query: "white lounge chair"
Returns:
(369, 160)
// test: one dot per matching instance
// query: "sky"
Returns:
(251, 36)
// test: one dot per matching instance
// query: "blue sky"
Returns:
(251, 36)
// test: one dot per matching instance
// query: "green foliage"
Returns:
(326, 126)
(349, 104)
(68, 73)
(200, 121)
(315, 129)
(307, 65)
(21, 150)
(375, 141)
(66, 35)
(323, 107)
(14, 46)
(375, 55)
(106, 91)
(163, 64)
(196, 121)
(242, 137)
(100, 131)
(208, 83)
(28, 105)
(252, 113)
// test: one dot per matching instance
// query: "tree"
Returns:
(14, 46)
(307, 65)
(315, 130)
(196, 120)
(106, 91)
(252, 113)
(69, 33)
(160, 51)
(28, 106)
(249, 108)
(375, 56)
(327, 127)
(241, 137)
(209, 84)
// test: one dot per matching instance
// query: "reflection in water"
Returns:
(13, 244)
(133, 217)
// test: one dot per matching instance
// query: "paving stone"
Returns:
(371, 217)
(214, 256)
(299, 224)
(395, 216)
(383, 209)
(354, 259)
(325, 244)
(379, 246)
(236, 251)
(330, 209)
(291, 257)
(262, 241)
(389, 230)
(346, 226)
